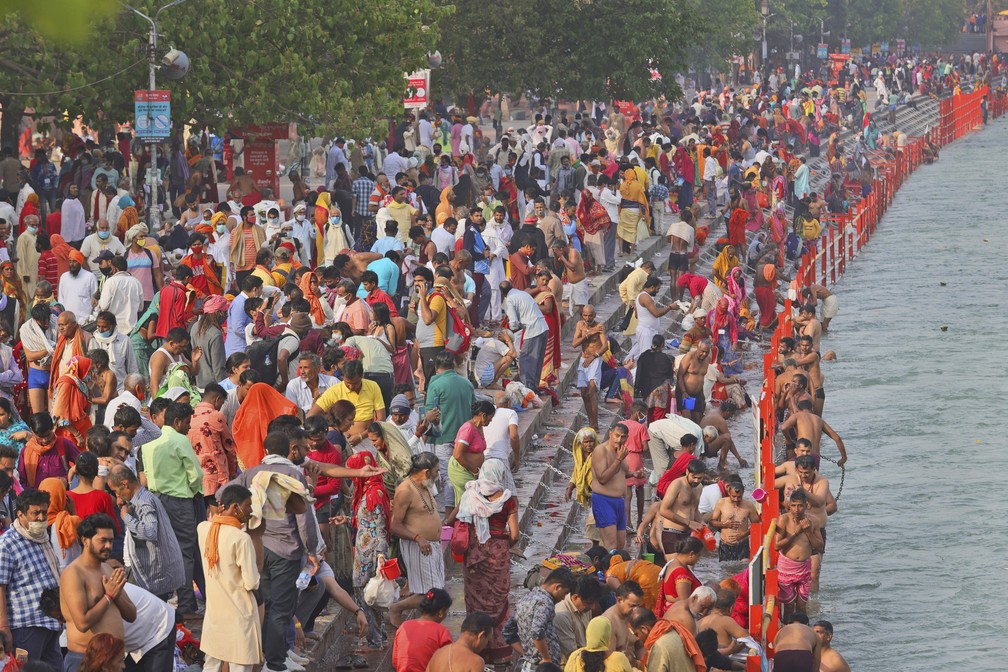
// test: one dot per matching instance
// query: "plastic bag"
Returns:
(379, 591)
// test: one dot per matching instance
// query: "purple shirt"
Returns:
(54, 463)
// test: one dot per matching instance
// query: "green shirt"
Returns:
(453, 394)
(171, 465)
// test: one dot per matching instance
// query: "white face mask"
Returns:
(299, 218)
(37, 528)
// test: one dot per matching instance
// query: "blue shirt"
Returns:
(388, 277)
(383, 245)
(237, 321)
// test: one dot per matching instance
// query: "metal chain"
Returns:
(843, 473)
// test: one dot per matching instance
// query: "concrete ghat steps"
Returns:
(547, 522)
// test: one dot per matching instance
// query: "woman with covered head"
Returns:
(371, 511)
(492, 511)
(71, 400)
(62, 520)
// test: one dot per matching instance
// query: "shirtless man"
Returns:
(353, 265)
(830, 660)
(733, 515)
(796, 647)
(807, 358)
(721, 622)
(798, 539)
(92, 598)
(821, 503)
(690, 380)
(808, 324)
(588, 326)
(802, 447)
(784, 352)
(575, 290)
(417, 522)
(172, 352)
(609, 472)
(809, 426)
(546, 279)
(794, 392)
(830, 306)
(678, 511)
(689, 612)
(681, 236)
(463, 655)
(717, 437)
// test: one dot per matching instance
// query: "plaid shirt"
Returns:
(362, 188)
(24, 573)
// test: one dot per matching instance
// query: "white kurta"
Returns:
(231, 630)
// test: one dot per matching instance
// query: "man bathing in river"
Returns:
(808, 358)
(821, 503)
(830, 305)
(734, 515)
(690, 380)
(678, 511)
(830, 660)
(809, 426)
(796, 647)
(798, 538)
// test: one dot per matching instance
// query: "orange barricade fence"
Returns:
(843, 239)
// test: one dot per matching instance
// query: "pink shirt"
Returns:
(472, 437)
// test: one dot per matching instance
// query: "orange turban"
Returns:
(76, 255)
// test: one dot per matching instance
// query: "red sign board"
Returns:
(152, 96)
(261, 164)
(417, 90)
(266, 131)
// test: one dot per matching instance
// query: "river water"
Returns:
(913, 577)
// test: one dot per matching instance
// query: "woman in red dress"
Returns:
(677, 579)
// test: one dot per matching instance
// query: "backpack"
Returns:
(459, 333)
(263, 356)
(47, 179)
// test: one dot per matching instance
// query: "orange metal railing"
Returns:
(838, 246)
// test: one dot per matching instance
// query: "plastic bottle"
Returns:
(303, 578)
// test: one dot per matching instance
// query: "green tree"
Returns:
(579, 49)
(329, 65)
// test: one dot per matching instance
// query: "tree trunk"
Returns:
(10, 122)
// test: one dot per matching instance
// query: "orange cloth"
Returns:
(61, 250)
(204, 268)
(769, 273)
(262, 404)
(70, 402)
(58, 517)
(444, 209)
(77, 346)
(689, 642)
(314, 302)
(32, 454)
(212, 553)
(127, 220)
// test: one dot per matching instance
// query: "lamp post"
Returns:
(764, 11)
(154, 221)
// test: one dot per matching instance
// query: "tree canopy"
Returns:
(327, 64)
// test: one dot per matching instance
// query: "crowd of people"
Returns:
(265, 405)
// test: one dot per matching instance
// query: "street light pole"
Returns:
(154, 220)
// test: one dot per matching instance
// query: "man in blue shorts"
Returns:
(609, 472)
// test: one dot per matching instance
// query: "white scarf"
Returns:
(475, 508)
(44, 541)
(34, 337)
(107, 344)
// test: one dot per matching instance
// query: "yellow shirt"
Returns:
(402, 214)
(367, 402)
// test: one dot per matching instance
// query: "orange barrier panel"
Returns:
(825, 264)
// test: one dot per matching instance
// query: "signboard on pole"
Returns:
(417, 90)
(900, 46)
(152, 114)
(885, 47)
(822, 50)
(845, 46)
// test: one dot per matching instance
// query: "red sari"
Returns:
(551, 361)
(669, 594)
(71, 404)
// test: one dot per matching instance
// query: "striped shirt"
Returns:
(151, 551)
